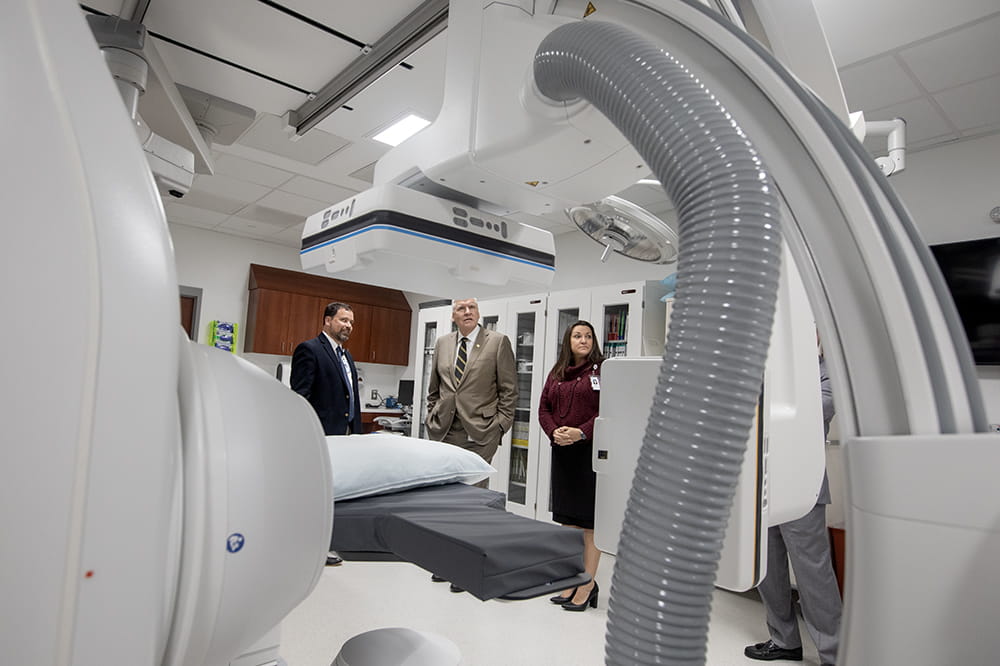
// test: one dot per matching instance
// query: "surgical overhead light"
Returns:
(627, 229)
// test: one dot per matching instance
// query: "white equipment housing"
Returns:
(784, 460)
(495, 140)
(148, 518)
(404, 239)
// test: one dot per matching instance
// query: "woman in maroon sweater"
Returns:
(566, 412)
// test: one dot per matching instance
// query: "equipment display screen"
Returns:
(972, 271)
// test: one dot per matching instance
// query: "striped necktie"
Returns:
(350, 382)
(463, 357)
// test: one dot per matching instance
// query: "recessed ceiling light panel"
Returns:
(401, 130)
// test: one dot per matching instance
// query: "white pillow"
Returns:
(380, 463)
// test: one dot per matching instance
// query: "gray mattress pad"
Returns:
(463, 534)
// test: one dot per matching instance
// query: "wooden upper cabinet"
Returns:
(286, 307)
(361, 334)
(279, 320)
(267, 315)
(390, 336)
(305, 319)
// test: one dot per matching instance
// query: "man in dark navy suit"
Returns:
(323, 372)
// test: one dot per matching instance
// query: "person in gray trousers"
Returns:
(806, 543)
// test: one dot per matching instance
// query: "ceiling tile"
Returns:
(923, 120)
(254, 172)
(972, 105)
(860, 29)
(292, 236)
(315, 189)
(256, 36)
(272, 216)
(222, 193)
(223, 80)
(359, 154)
(399, 92)
(958, 57)
(365, 21)
(876, 84)
(231, 188)
(191, 215)
(270, 134)
(251, 228)
(211, 202)
(302, 207)
(365, 174)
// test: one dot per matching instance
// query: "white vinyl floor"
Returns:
(360, 596)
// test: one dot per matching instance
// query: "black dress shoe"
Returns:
(769, 651)
(590, 601)
(560, 599)
(456, 589)
(438, 579)
(333, 560)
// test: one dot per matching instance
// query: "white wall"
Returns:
(219, 264)
(950, 190)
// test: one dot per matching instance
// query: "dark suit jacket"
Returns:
(318, 375)
(485, 399)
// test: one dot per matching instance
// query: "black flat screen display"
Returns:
(972, 271)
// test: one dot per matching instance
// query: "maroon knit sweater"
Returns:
(571, 401)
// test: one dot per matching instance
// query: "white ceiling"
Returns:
(937, 65)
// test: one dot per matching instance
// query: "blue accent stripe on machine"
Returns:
(412, 226)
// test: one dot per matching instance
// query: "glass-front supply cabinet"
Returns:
(615, 341)
(524, 353)
(566, 317)
(429, 339)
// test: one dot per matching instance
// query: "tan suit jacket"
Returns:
(485, 398)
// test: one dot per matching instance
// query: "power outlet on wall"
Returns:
(374, 394)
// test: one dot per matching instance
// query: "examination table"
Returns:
(463, 534)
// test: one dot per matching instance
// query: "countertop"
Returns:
(380, 410)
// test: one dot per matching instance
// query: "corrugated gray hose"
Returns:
(713, 365)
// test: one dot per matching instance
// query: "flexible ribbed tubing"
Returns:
(713, 364)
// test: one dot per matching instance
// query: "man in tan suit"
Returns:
(473, 385)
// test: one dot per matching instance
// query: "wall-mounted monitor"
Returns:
(972, 271)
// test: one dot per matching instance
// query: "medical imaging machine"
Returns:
(145, 510)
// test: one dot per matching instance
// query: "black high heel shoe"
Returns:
(560, 599)
(591, 601)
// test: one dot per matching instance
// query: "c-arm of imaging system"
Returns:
(124, 548)
(520, 136)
